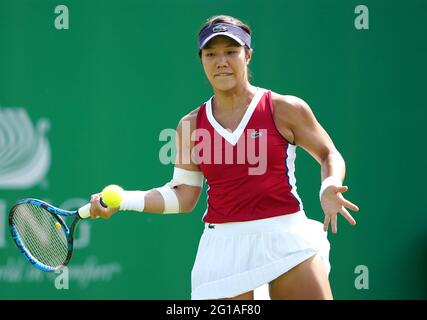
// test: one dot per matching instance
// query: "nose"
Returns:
(222, 61)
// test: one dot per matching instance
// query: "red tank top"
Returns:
(249, 172)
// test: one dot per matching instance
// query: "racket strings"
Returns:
(38, 232)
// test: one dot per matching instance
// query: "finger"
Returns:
(348, 216)
(326, 223)
(334, 223)
(349, 205)
(94, 198)
(104, 213)
(107, 215)
(95, 204)
(95, 207)
(95, 210)
(92, 212)
(342, 189)
(92, 209)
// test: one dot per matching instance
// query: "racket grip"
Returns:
(84, 212)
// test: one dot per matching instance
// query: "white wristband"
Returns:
(329, 181)
(133, 200)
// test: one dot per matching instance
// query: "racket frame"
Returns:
(56, 213)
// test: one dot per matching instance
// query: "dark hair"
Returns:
(225, 19)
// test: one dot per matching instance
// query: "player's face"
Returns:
(224, 62)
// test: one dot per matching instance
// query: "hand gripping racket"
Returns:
(41, 233)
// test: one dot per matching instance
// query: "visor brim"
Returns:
(227, 34)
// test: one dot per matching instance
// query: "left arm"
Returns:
(297, 123)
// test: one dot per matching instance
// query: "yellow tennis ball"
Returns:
(57, 225)
(112, 196)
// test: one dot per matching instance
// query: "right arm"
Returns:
(187, 195)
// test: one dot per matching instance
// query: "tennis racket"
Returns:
(41, 233)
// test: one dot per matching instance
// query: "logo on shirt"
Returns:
(256, 134)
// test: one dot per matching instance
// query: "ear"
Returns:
(249, 56)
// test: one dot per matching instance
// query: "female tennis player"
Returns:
(243, 143)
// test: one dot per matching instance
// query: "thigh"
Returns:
(244, 296)
(306, 281)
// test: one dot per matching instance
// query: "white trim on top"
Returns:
(290, 164)
(233, 137)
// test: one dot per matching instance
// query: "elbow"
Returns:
(188, 197)
(187, 209)
(188, 206)
(331, 156)
(334, 154)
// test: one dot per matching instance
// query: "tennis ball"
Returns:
(57, 225)
(112, 196)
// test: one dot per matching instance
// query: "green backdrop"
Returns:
(93, 99)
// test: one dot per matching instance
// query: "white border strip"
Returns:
(233, 137)
(290, 164)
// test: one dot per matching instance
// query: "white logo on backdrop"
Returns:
(25, 158)
(24, 149)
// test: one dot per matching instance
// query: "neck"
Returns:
(234, 99)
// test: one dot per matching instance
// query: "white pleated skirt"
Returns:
(237, 257)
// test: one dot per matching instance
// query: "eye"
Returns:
(209, 54)
(231, 52)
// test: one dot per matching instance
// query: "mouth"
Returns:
(223, 74)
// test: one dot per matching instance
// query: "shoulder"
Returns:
(189, 119)
(290, 109)
(289, 103)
